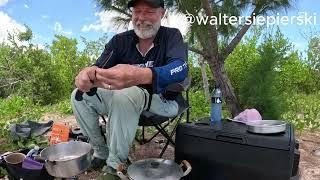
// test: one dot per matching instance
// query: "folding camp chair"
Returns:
(161, 123)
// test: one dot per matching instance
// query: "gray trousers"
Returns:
(123, 108)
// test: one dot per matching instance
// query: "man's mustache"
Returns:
(144, 24)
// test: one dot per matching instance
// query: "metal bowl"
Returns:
(266, 126)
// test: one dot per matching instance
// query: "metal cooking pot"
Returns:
(14, 158)
(154, 169)
(67, 159)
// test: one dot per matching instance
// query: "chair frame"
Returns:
(161, 128)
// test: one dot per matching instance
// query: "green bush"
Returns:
(64, 107)
(16, 108)
(46, 77)
(199, 106)
(303, 110)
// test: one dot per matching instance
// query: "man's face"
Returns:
(146, 20)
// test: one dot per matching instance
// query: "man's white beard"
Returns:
(146, 29)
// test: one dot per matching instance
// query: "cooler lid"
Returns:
(234, 132)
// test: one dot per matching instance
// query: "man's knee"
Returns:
(127, 96)
(120, 98)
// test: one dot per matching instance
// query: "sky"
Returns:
(76, 18)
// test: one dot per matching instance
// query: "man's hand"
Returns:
(84, 80)
(123, 76)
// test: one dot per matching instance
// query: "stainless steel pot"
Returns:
(154, 169)
(67, 159)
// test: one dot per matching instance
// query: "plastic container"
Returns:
(59, 133)
(216, 105)
(33, 152)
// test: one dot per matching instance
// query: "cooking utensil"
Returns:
(154, 169)
(66, 159)
(14, 158)
(264, 126)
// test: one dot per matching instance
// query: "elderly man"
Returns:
(138, 65)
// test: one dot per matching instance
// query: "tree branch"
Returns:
(218, 2)
(195, 50)
(122, 11)
(235, 41)
(10, 84)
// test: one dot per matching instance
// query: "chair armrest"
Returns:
(181, 86)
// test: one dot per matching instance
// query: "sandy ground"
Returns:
(309, 167)
(309, 155)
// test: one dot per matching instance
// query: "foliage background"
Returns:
(267, 72)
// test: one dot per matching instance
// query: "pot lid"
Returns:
(155, 169)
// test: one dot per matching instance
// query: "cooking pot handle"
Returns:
(40, 159)
(120, 172)
(44, 160)
(2, 163)
(188, 167)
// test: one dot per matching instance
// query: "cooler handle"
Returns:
(227, 138)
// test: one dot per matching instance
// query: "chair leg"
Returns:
(171, 135)
(161, 129)
(165, 134)
(147, 141)
(143, 138)
(144, 141)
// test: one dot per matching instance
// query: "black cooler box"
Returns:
(227, 151)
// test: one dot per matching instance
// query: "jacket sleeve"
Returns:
(163, 76)
(176, 69)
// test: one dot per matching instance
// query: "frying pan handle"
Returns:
(120, 172)
(186, 164)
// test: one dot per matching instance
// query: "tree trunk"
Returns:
(221, 78)
(204, 79)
